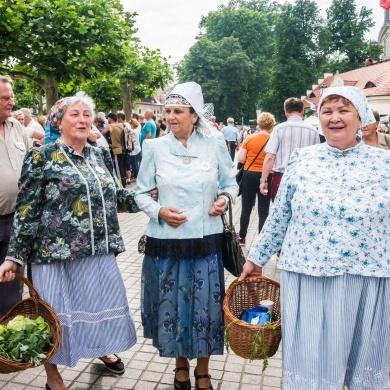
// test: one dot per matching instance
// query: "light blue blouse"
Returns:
(188, 179)
(331, 214)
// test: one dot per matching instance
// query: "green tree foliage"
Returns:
(144, 72)
(52, 42)
(344, 36)
(232, 78)
(225, 74)
(295, 58)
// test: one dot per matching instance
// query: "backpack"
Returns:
(127, 139)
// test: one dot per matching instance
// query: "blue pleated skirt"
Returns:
(335, 332)
(182, 290)
(89, 298)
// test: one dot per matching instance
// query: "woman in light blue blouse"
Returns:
(332, 222)
(182, 275)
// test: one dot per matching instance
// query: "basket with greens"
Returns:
(254, 342)
(30, 333)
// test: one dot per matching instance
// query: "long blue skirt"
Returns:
(335, 332)
(182, 291)
(89, 298)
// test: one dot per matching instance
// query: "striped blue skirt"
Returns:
(89, 298)
(335, 332)
(182, 290)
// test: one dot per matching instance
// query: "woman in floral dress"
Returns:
(66, 227)
(331, 219)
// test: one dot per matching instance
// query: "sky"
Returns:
(172, 25)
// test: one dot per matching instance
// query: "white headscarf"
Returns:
(191, 94)
(356, 96)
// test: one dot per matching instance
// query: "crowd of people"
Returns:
(322, 207)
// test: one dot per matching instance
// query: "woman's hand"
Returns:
(172, 216)
(264, 188)
(7, 271)
(218, 208)
(250, 269)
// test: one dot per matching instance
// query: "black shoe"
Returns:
(182, 385)
(116, 367)
(197, 377)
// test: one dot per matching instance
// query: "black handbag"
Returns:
(240, 173)
(233, 258)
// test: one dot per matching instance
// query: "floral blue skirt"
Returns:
(182, 291)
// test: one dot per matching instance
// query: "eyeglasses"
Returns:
(6, 99)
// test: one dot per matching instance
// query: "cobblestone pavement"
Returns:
(145, 370)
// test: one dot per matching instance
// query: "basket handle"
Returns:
(260, 277)
(33, 294)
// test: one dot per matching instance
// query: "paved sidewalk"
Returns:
(145, 370)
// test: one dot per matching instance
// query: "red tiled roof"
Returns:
(378, 74)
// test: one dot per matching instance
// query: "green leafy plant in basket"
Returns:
(258, 346)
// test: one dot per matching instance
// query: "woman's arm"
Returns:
(226, 179)
(241, 158)
(125, 199)
(146, 181)
(28, 208)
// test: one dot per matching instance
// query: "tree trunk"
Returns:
(51, 93)
(126, 95)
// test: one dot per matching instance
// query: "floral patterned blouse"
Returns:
(331, 214)
(67, 206)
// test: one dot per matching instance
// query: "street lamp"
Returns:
(322, 89)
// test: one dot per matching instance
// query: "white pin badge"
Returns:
(21, 146)
(99, 169)
(205, 167)
(361, 176)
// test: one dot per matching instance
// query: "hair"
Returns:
(293, 105)
(42, 119)
(121, 115)
(17, 114)
(101, 115)
(134, 115)
(230, 120)
(133, 123)
(6, 79)
(266, 121)
(26, 112)
(82, 98)
(376, 115)
(99, 121)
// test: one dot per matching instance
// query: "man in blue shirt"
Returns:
(149, 130)
(232, 137)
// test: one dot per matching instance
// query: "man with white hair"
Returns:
(232, 137)
(30, 122)
(13, 147)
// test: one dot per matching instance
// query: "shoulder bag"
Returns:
(240, 173)
(232, 255)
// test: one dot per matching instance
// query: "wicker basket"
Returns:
(32, 307)
(244, 295)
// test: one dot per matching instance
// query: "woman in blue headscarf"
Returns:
(331, 221)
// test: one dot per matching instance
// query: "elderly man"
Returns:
(232, 137)
(13, 147)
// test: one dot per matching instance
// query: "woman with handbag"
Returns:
(252, 156)
(182, 285)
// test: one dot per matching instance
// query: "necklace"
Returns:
(186, 160)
